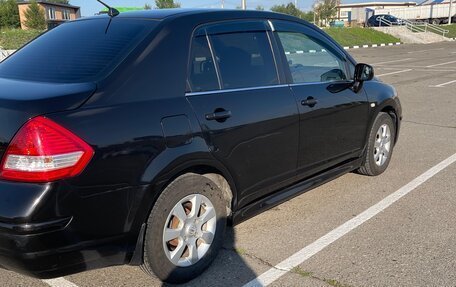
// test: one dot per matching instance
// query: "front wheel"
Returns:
(380, 146)
(185, 229)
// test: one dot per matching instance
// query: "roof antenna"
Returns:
(112, 12)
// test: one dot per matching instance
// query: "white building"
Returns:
(360, 12)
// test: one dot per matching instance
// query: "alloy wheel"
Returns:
(189, 230)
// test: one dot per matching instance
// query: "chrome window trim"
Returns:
(273, 54)
(271, 26)
(318, 83)
(223, 91)
(214, 60)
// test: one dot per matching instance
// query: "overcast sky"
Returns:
(90, 7)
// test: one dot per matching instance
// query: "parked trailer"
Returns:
(434, 13)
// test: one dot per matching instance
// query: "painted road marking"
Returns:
(310, 250)
(393, 61)
(397, 72)
(421, 51)
(417, 69)
(444, 84)
(59, 282)
(441, 64)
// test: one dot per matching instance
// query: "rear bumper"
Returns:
(35, 255)
(50, 230)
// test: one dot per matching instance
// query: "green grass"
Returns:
(12, 39)
(240, 251)
(359, 36)
(301, 272)
(335, 283)
(451, 28)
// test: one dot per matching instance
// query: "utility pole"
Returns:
(223, 4)
(244, 5)
(296, 3)
(451, 12)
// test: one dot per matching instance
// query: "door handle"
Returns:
(310, 101)
(218, 115)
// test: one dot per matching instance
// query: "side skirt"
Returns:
(286, 194)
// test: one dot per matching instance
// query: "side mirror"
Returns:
(363, 72)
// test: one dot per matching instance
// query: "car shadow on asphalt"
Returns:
(228, 269)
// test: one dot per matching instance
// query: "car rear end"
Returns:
(45, 163)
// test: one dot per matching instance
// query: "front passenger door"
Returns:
(333, 125)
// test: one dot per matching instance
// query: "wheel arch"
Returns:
(216, 174)
(392, 112)
(210, 169)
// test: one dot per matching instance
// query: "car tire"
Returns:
(380, 146)
(202, 240)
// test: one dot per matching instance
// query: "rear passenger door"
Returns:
(247, 113)
(333, 124)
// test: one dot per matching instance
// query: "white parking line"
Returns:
(444, 84)
(394, 61)
(421, 51)
(310, 250)
(59, 282)
(397, 72)
(441, 64)
(417, 69)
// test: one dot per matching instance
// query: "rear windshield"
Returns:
(77, 51)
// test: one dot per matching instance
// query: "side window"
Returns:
(202, 75)
(245, 59)
(309, 61)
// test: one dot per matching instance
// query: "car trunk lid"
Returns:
(22, 100)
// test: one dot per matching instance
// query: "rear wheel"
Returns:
(185, 229)
(380, 146)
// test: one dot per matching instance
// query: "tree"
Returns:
(259, 8)
(326, 10)
(147, 7)
(9, 14)
(163, 4)
(289, 9)
(308, 16)
(35, 17)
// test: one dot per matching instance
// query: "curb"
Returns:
(373, 45)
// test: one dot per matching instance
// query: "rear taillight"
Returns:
(44, 151)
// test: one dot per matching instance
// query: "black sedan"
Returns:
(136, 138)
(382, 20)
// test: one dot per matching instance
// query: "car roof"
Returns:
(159, 14)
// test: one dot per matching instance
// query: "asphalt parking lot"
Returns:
(408, 241)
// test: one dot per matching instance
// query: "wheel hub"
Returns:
(189, 230)
(382, 145)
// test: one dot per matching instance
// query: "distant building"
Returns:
(360, 12)
(55, 13)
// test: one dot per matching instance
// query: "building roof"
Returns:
(432, 2)
(20, 2)
(368, 4)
